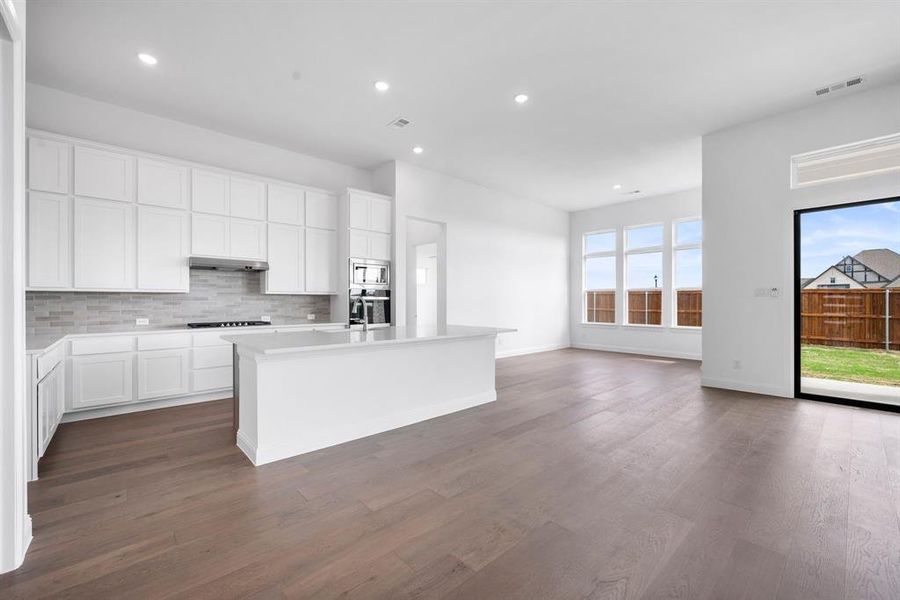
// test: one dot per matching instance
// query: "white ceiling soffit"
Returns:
(849, 161)
(619, 92)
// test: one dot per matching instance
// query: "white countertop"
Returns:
(304, 341)
(35, 344)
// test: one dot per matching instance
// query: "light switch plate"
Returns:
(142, 321)
(311, 317)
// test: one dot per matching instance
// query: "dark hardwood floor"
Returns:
(593, 476)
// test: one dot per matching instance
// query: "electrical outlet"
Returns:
(266, 318)
(311, 317)
(142, 321)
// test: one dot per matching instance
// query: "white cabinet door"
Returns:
(248, 239)
(286, 205)
(286, 263)
(210, 235)
(379, 246)
(162, 373)
(48, 166)
(102, 174)
(48, 240)
(162, 249)
(321, 210)
(209, 192)
(321, 261)
(102, 379)
(358, 207)
(103, 244)
(380, 215)
(248, 199)
(359, 244)
(49, 407)
(162, 184)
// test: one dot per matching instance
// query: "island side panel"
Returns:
(307, 401)
(248, 431)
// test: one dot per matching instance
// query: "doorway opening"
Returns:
(426, 268)
(847, 303)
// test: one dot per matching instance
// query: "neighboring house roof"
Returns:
(883, 261)
(895, 284)
(824, 280)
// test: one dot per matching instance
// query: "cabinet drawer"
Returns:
(211, 379)
(212, 356)
(103, 345)
(211, 339)
(164, 341)
(48, 360)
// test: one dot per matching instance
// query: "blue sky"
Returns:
(828, 236)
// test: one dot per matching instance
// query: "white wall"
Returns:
(748, 224)
(60, 112)
(15, 522)
(658, 341)
(506, 257)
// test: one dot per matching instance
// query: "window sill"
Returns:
(639, 326)
(603, 325)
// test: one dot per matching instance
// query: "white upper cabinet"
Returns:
(103, 244)
(321, 261)
(369, 212)
(286, 259)
(321, 210)
(48, 240)
(248, 239)
(209, 192)
(248, 199)
(210, 235)
(162, 249)
(286, 205)
(48, 166)
(162, 184)
(370, 244)
(103, 174)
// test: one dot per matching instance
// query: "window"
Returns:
(687, 252)
(599, 277)
(644, 274)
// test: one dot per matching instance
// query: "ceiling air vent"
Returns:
(839, 86)
(398, 123)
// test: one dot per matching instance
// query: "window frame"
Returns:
(585, 255)
(626, 252)
(676, 247)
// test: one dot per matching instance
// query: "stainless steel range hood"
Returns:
(227, 264)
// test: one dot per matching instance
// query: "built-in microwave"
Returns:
(370, 274)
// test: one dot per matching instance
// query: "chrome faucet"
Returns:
(361, 299)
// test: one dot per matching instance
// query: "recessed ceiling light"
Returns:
(618, 186)
(521, 98)
(147, 59)
(382, 86)
(418, 150)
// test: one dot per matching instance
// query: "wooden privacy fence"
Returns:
(860, 318)
(645, 307)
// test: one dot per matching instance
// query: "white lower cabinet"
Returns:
(50, 406)
(212, 379)
(102, 379)
(162, 373)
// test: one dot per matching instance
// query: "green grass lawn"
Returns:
(880, 367)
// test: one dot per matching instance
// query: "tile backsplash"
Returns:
(214, 296)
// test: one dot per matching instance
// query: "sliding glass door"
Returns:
(847, 303)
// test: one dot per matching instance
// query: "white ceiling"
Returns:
(620, 92)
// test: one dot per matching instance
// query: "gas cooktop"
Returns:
(228, 324)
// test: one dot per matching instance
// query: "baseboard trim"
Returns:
(111, 411)
(641, 351)
(531, 350)
(740, 386)
(260, 455)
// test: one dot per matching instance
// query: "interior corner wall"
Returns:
(507, 258)
(619, 337)
(52, 110)
(748, 210)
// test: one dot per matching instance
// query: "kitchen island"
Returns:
(301, 391)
